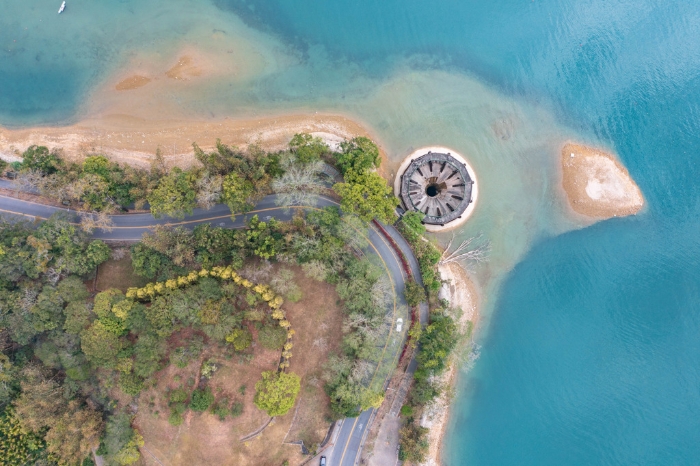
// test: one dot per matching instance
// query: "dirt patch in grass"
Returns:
(203, 439)
(118, 274)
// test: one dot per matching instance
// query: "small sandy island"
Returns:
(597, 185)
(461, 292)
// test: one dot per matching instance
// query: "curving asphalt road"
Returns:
(347, 446)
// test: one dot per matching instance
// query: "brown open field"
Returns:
(205, 440)
(118, 274)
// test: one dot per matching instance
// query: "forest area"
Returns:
(75, 360)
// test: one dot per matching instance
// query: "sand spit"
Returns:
(461, 292)
(597, 185)
(134, 140)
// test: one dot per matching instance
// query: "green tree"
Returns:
(100, 345)
(148, 262)
(276, 392)
(308, 148)
(436, 342)
(121, 442)
(175, 195)
(414, 293)
(412, 225)
(367, 196)
(201, 399)
(240, 338)
(238, 193)
(359, 155)
(39, 158)
(17, 446)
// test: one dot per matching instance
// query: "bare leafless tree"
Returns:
(316, 270)
(28, 181)
(53, 275)
(382, 294)
(209, 191)
(90, 221)
(119, 253)
(471, 251)
(258, 272)
(353, 232)
(320, 343)
(299, 185)
(26, 302)
(361, 371)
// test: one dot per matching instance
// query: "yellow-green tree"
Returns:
(276, 392)
(367, 196)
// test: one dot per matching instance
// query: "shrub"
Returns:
(407, 410)
(272, 337)
(131, 384)
(175, 418)
(413, 443)
(220, 409)
(179, 395)
(201, 400)
(237, 409)
(208, 368)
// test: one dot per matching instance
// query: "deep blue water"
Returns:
(593, 351)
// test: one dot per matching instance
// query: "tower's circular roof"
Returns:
(438, 185)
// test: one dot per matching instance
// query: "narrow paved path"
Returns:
(130, 227)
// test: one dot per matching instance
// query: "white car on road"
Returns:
(399, 324)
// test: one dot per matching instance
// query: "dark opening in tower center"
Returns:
(432, 190)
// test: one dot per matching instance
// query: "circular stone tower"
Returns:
(439, 183)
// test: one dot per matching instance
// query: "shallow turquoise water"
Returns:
(591, 352)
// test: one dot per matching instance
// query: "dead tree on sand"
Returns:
(472, 251)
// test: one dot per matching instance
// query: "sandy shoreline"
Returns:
(596, 184)
(133, 140)
(461, 293)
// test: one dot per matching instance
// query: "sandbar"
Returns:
(597, 185)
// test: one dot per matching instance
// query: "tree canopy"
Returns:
(359, 155)
(174, 196)
(276, 392)
(367, 196)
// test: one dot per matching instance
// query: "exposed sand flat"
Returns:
(134, 140)
(461, 293)
(597, 185)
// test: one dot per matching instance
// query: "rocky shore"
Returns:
(462, 294)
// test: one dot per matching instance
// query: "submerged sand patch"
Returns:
(185, 68)
(132, 82)
(597, 184)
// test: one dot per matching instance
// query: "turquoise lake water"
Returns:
(590, 336)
